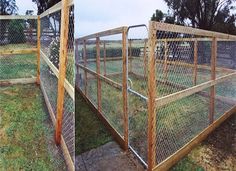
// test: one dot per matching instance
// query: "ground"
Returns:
(26, 131)
(211, 154)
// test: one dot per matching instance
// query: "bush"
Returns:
(16, 32)
(54, 50)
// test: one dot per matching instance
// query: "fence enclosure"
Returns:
(160, 94)
(40, 49)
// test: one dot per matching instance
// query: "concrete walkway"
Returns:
(109, 157)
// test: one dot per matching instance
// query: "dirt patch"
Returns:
(218, 151)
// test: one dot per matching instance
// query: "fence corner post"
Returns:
(151, 98)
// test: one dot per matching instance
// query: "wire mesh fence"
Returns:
(18, 40)
(51, 41)
(178, 81)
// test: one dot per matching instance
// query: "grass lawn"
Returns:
(26, 131)
(89, 131)
(18, 66)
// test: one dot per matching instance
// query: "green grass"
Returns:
(18, 66)
(26, 132)
(187, 164)
(90, 132)
(17, 46)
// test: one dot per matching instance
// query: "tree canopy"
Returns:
(216, 15)
(43, 5)
(8, 7)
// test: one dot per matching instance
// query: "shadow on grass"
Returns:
(89, 131)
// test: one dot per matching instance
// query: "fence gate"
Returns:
(138, 89)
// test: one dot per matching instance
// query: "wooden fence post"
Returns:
(125, 87)
(85, 65)
(104, 58)
(62, 68)
(38, 50)
(213, 77)
(98, 73)
(151, 99)
(195, 63)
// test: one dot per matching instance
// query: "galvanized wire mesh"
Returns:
(17, 35)
(50, 71)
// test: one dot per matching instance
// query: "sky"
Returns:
(24, 5)
(93, 16)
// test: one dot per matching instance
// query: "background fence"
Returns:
(41, 49)
(160, 93)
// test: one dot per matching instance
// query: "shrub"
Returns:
(54, 52)
(16, 31)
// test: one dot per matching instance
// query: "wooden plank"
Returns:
(205, 39)
(151, 100)
(64, 148)
(195, 62)
(104, 58)
(68, 87)
(55, 8)
(189, 30)
(98, 70)
(192, 90)
(177, 156)
(103, 33)
(38, 50)
(62, 69)
(213, 77)
(18, 17)
(18, 51)
(117, 137)
(125, 87)
(17, 81)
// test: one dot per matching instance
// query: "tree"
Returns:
(204, 14)
(158, 16)
(7, 7)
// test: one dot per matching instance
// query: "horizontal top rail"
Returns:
(55, 8)
(17, 17)
(189, 30)
(103, 33)
(194, 39)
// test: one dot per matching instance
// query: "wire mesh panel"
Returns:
(50, 72)
(19, 33)
(18, 39)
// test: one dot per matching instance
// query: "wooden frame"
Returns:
(18, 17)
(151, 100)
(62, 69)
(38, 50)
(55, 8)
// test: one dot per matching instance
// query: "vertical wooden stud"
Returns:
(125, 87)
(38, 50)
(104, 58)
(85, 65)
(195, 63)
(62, 68)
(151, 99)
(98, 69)
(213, 77)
